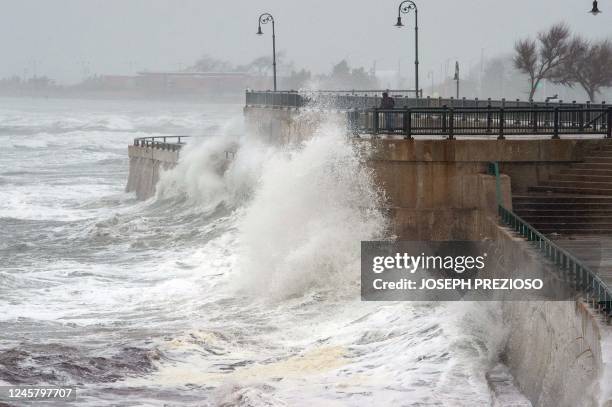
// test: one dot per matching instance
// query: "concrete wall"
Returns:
(145, 166)
(438, 189)
(559, 352)
(286, 125)
(554, 352)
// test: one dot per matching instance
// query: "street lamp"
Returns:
(457, 77)
(595, 9)
(266, 18)
(404, 8)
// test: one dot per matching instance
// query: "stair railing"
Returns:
(597, 293)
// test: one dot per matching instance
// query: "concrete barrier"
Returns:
(146, 163)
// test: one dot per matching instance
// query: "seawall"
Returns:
(146, 164)
(559, 352)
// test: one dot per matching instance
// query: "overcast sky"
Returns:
(67, 39)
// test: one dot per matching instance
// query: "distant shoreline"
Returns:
(230, 98)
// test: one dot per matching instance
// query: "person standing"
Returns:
(387, 102)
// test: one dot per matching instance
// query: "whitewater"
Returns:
(236, 285)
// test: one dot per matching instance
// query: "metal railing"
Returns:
(288, 99)
(404, 99)
(474, 121)
(171, 143)
(572, 270)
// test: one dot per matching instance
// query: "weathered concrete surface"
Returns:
(558, 351)
(146, 164)
(504, 390)
(286, 126)
(526, 161)
(554, 352)
(437, 188)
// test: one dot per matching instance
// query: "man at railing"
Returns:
(387, 102)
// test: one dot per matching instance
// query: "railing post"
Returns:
(501, 124)
(588, 113)
(489, 117)
(444, 119)
(609, 122)
(534, 118)
(408, 124)
(451, 124)
(556, 124)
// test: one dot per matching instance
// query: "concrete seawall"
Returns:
(146, 164)
(559, 352)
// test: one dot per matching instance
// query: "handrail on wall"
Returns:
(596, 291)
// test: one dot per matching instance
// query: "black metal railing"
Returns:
(572, 270)
(172, 143)
(487, 121)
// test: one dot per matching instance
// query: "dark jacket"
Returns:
(387, 103)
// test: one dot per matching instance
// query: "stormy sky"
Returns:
(69, 39)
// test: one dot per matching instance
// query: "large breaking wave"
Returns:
(238, 284)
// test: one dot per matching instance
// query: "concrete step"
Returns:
(598, 159)
(568, 209)
(579, 184)
(562, 198)
(572, 190)
(568, 220)
(582, 226)
(581, 177)
(527, 211)
(572, 232)
(565, 231)
(582, 171)
(593, 166)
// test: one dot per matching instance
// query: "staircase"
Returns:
(575, 201)
(574, 208)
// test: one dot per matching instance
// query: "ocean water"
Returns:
(237, 285)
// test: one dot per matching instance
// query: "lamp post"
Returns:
(457, 77)
(404, 8)
(266, 18)
(595, 9)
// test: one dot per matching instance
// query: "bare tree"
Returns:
(589, 64)
(539, 59)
